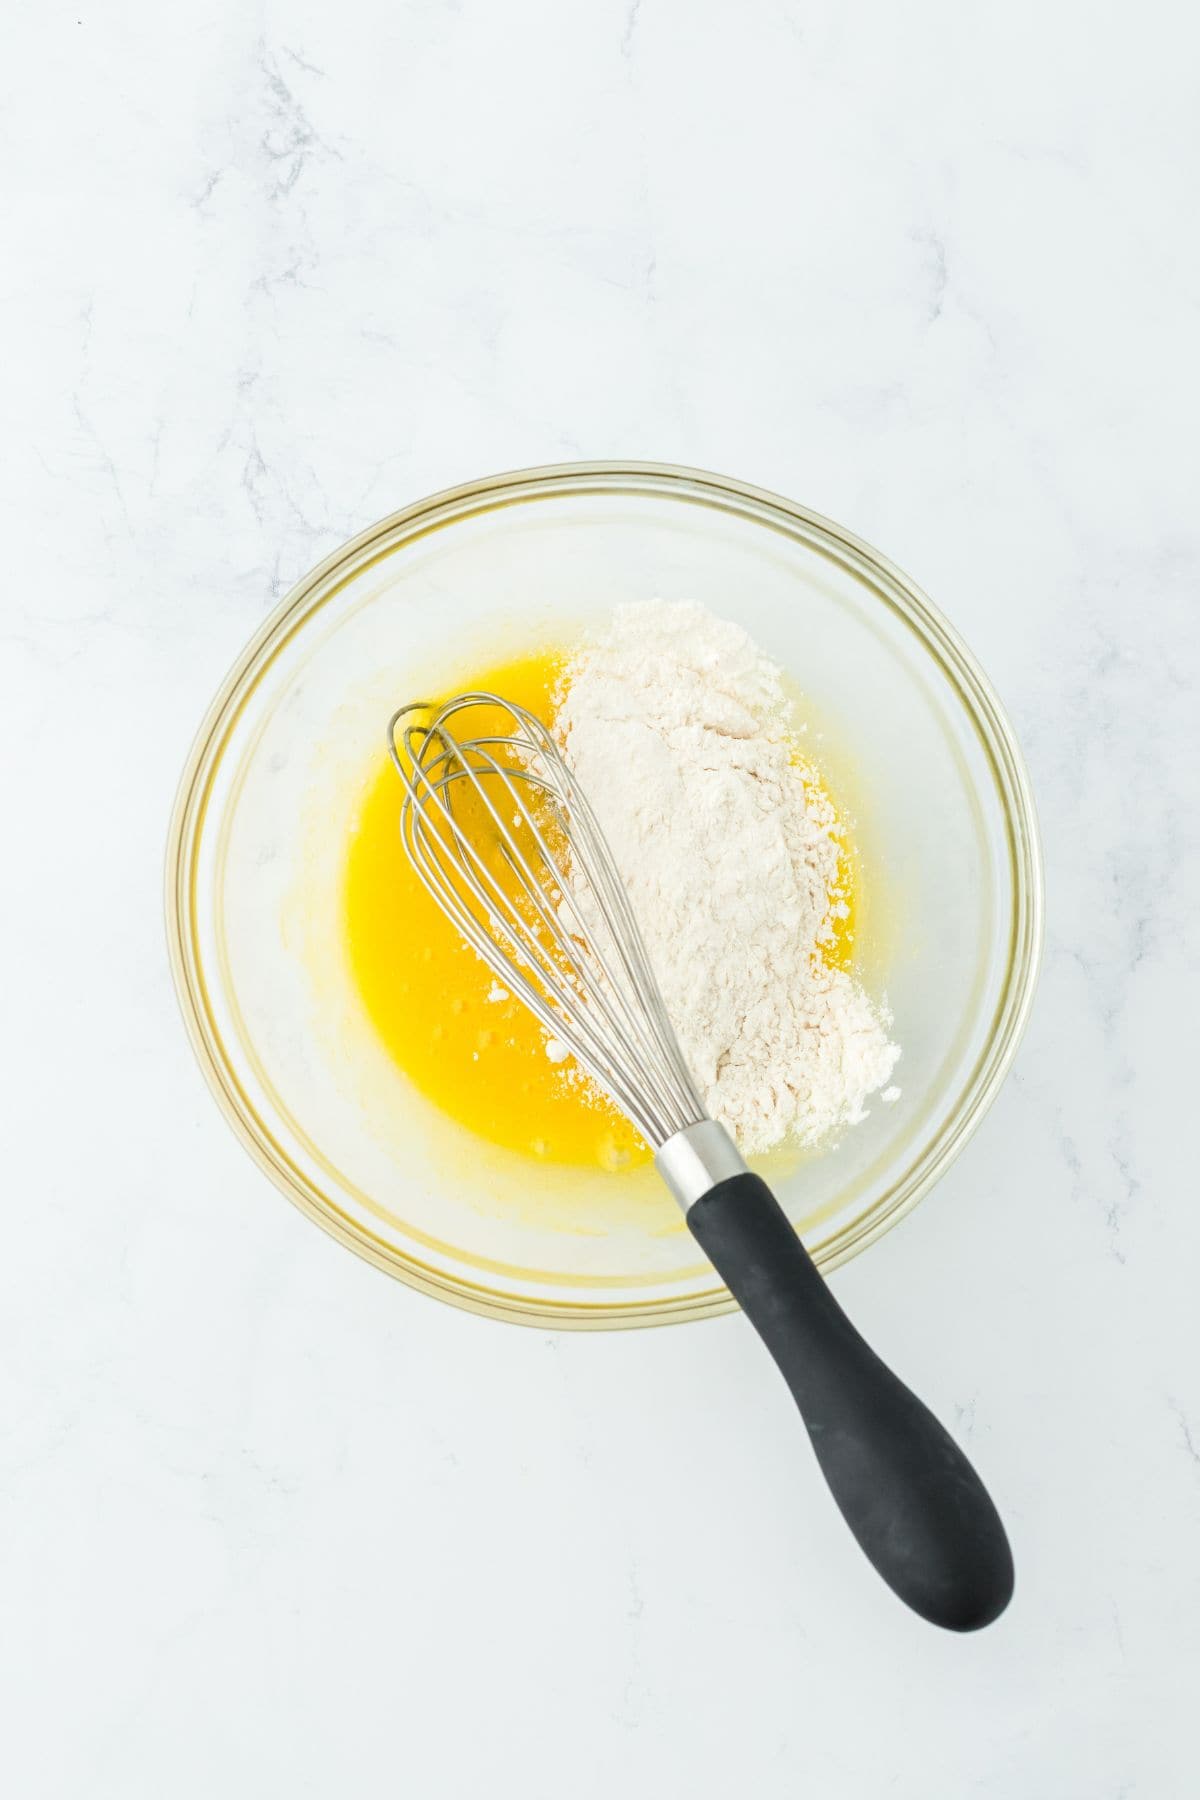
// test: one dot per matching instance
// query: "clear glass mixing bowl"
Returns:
(902, 719)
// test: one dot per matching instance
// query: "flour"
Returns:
(677, 728)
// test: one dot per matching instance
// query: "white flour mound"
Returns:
(676, 726)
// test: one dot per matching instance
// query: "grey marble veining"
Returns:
(268, 1523)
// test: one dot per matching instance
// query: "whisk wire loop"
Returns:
(500, 834)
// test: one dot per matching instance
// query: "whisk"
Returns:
(500, 833)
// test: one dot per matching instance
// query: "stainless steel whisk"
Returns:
(501, 834)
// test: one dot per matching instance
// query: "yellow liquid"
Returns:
(481, 1060)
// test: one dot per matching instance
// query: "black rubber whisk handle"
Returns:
(907, 1492)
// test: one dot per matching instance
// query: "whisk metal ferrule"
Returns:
(694, 1160)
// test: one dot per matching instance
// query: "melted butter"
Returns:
(438, 1009)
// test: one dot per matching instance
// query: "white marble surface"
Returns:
(269, 1523)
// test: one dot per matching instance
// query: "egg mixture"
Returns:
(459, 1037)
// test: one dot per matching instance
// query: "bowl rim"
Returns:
(938, 637)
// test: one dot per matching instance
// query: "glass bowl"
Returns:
(901, 718)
